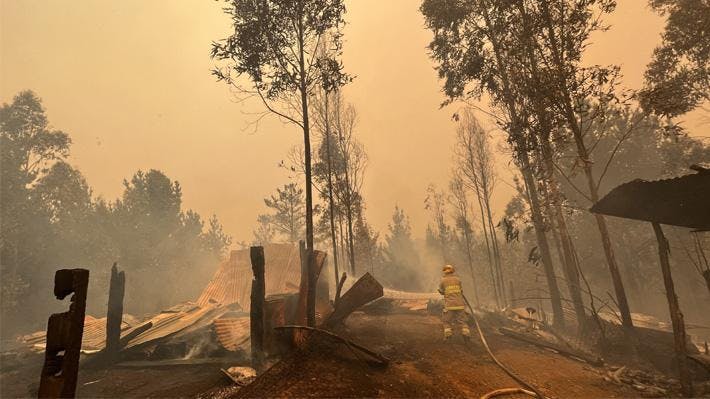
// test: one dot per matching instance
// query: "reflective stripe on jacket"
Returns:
(450, 288)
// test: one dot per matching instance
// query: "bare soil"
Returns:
(423, 365)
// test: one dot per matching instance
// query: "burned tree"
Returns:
(475, 48)
(474, 156)
(275, 47)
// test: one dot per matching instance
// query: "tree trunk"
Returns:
(496, 250)
(331, 201)
(467, 237)
(568, 111)
(567, 258)
(349, 211)
(311, 298)
(488, 248)
(543, 245)
(604, 233)
(516, 133)
(676, 315)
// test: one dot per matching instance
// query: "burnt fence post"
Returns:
(114, 313)
(64, 333)
(258, 293)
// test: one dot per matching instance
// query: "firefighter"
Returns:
(454, 306)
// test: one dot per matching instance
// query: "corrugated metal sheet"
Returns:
(232, 332)
(93, 339)
(681, 201)
(172, 321)
(232, 280)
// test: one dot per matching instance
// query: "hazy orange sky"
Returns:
(130, 82)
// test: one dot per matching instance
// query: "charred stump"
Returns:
(114, 313)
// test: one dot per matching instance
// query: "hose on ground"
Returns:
(532, 389)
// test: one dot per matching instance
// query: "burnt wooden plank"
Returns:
(365, 289)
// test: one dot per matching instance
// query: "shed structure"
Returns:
(681, 201)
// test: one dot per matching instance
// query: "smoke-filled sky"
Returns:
(130, 82)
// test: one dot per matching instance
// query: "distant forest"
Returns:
(51, 219)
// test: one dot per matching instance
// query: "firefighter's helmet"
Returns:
(448, 269)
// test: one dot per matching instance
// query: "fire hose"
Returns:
(529, 389)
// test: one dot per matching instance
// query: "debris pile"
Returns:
(649, 383)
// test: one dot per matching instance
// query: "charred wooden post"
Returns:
(64, 333)
(114, 313)
(676, 315)
(258, 293)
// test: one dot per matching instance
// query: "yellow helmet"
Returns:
(448, 269)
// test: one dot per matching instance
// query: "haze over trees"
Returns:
(51, 219)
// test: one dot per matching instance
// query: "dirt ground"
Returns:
(154, 382)
(424, 366)
(421, 366)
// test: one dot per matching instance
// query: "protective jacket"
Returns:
(450, 288)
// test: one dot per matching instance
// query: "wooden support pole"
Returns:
(114, 313)
(676, 315)
(64, 332)
(258, 293)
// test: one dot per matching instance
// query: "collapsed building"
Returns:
(216, 324)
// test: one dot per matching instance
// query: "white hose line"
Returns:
(512, 375)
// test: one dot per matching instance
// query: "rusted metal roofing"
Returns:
(172, 321)
(232, 332)
(232, 280)
(93, 338)
(682, 201)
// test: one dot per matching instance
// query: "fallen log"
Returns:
(598, 362)
(365, 290)
(378, 357)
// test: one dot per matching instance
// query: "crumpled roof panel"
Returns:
(232, 280)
